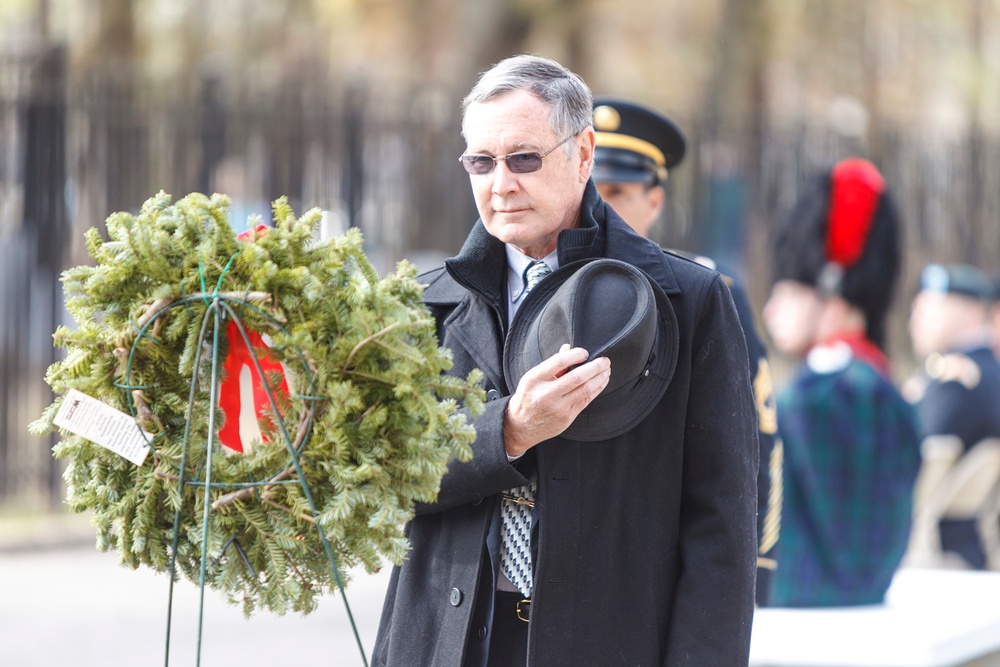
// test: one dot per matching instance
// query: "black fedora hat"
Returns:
(611, 309)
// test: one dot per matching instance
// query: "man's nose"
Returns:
(504, 180)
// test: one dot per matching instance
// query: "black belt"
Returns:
(512, 605)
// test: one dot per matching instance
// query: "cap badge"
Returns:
(606, 119)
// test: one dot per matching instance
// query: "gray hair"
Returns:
(570, 101)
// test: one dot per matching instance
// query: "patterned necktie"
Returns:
(515, 552)
(534, 274)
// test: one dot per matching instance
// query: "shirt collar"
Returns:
(517, 262)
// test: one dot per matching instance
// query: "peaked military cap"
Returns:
(634, 144)
(957, 279)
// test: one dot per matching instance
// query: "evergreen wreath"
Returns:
(371, 416)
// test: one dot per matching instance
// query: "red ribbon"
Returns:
(251, 234)
(231, 392)
(854, 194)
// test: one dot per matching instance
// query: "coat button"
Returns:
(477, 501)
(482, 632)
(492, 395)
(455, 598)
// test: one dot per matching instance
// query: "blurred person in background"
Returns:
(851, 449)
(635, 149)
(957, 391)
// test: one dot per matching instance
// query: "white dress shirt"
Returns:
(517, 262)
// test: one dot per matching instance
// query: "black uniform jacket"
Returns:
(645, 549)
(960, 394)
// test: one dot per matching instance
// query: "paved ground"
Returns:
(63, 603)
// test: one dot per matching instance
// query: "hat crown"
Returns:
(607, 310)
(611, 309)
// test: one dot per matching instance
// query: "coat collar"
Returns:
(481, 264)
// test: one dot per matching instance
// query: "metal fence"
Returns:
(73, 151)
(75, 148)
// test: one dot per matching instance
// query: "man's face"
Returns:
(526, 210)
(938, 320)
(638, 204)
(792, 316)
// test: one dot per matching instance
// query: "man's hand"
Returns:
(548, 398)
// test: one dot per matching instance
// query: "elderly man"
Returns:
(957, 391)
(623, 536)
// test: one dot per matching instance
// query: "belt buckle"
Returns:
(523, 607)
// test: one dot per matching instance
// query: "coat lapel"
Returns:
(467, 330)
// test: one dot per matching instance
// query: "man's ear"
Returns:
(585, 145)
(656, 196)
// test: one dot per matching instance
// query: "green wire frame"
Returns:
(219, 307)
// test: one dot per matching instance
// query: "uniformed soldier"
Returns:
(957, 391)
(635, 150)
(850, 441)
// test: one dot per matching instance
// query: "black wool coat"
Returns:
(645, 543)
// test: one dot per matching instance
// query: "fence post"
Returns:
(46, 216)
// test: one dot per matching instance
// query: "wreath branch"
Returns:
(167, 475)
(164, 302)
(377, 334)
(243, 494)
(143, 411)
(301, 515)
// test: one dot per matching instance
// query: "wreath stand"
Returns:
(221, 306)
(372, 418)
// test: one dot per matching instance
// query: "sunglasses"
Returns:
(518, 163)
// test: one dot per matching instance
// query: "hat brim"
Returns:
(616, 165)
(616, 173)
(612, 413)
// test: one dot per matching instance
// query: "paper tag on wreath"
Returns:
(100, 423)
(242, 395)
